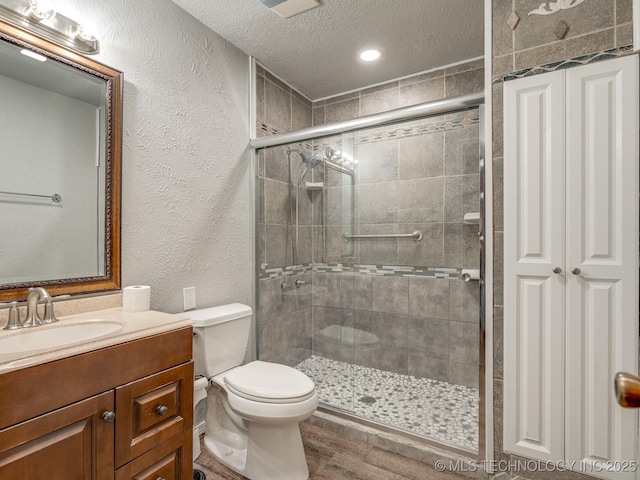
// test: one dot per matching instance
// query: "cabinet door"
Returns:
(73, 442)
(602, 251)
(533, 248)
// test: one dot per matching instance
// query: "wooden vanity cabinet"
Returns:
(123, 412)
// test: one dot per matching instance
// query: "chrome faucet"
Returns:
(33, 319)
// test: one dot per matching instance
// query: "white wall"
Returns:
(186, 212)
(47, 146)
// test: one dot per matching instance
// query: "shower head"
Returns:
(310, 161)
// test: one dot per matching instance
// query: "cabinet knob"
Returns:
(161, 410)
(576, 271)
(161, 478)
(557, 270)
(109, 416)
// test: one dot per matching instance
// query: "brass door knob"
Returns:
(576, 271)
(627, 388)
(557, 270)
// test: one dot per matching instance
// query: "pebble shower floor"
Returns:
(430, 408)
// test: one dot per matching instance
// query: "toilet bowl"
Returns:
(253, 410)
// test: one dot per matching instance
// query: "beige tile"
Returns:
(426, 252)
(464, 67)
(341, 98)
(501, 32)
(502, 65)
(421, 92)
(380, 101)
(277, 107)
(538, 30)
(624, 34)
(471, 81)
(275, 80)
(624, 11)
(421, 77)
(379, 88)
(421, 156)
(345, 110)
(390, 294)
(318, 115)
(301, 116)
(562, 50)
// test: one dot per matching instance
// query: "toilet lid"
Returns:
(269, 382)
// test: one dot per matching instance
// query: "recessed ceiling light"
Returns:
(370, 55)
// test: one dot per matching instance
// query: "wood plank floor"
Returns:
(331, 456)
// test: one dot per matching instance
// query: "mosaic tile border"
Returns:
(446, 273)
(564, 64)
(276, 272)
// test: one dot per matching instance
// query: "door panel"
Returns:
(534, 241)
(602, 243)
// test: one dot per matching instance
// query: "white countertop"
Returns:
(134, 326)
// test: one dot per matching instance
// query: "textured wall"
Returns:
(185, 177)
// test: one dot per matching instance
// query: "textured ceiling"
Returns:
(316, 51)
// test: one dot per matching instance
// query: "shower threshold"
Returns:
(428, 408)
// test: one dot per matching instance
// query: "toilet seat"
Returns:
(269, 383)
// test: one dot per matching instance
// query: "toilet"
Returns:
(253, 411)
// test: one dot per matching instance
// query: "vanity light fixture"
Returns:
(41, 18)
(370, 55)
(41, 10)
(34, 55)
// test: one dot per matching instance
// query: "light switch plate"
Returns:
(189, 296)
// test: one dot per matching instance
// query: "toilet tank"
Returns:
(220, 337)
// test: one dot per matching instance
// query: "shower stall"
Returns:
(369, 256)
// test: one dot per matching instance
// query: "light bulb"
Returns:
(370, 55)
(41, 10)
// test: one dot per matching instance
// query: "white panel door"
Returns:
(534, 247)
(602, 261)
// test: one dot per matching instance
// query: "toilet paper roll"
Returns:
(136, 298)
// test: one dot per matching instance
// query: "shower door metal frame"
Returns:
(414, 112)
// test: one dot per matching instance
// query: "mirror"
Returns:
(60, 156)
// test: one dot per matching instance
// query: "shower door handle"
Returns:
(627, 389)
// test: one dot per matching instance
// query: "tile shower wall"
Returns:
(416, 176)
(418, 325)
(593, 26)
(285, 315)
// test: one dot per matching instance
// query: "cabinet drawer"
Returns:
(169, 461)
(151, 410)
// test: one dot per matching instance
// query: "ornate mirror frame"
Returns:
(113, 139)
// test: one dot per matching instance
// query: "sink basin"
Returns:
(55, 336)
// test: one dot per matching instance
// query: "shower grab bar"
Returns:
(55, 198)
(417, 235)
